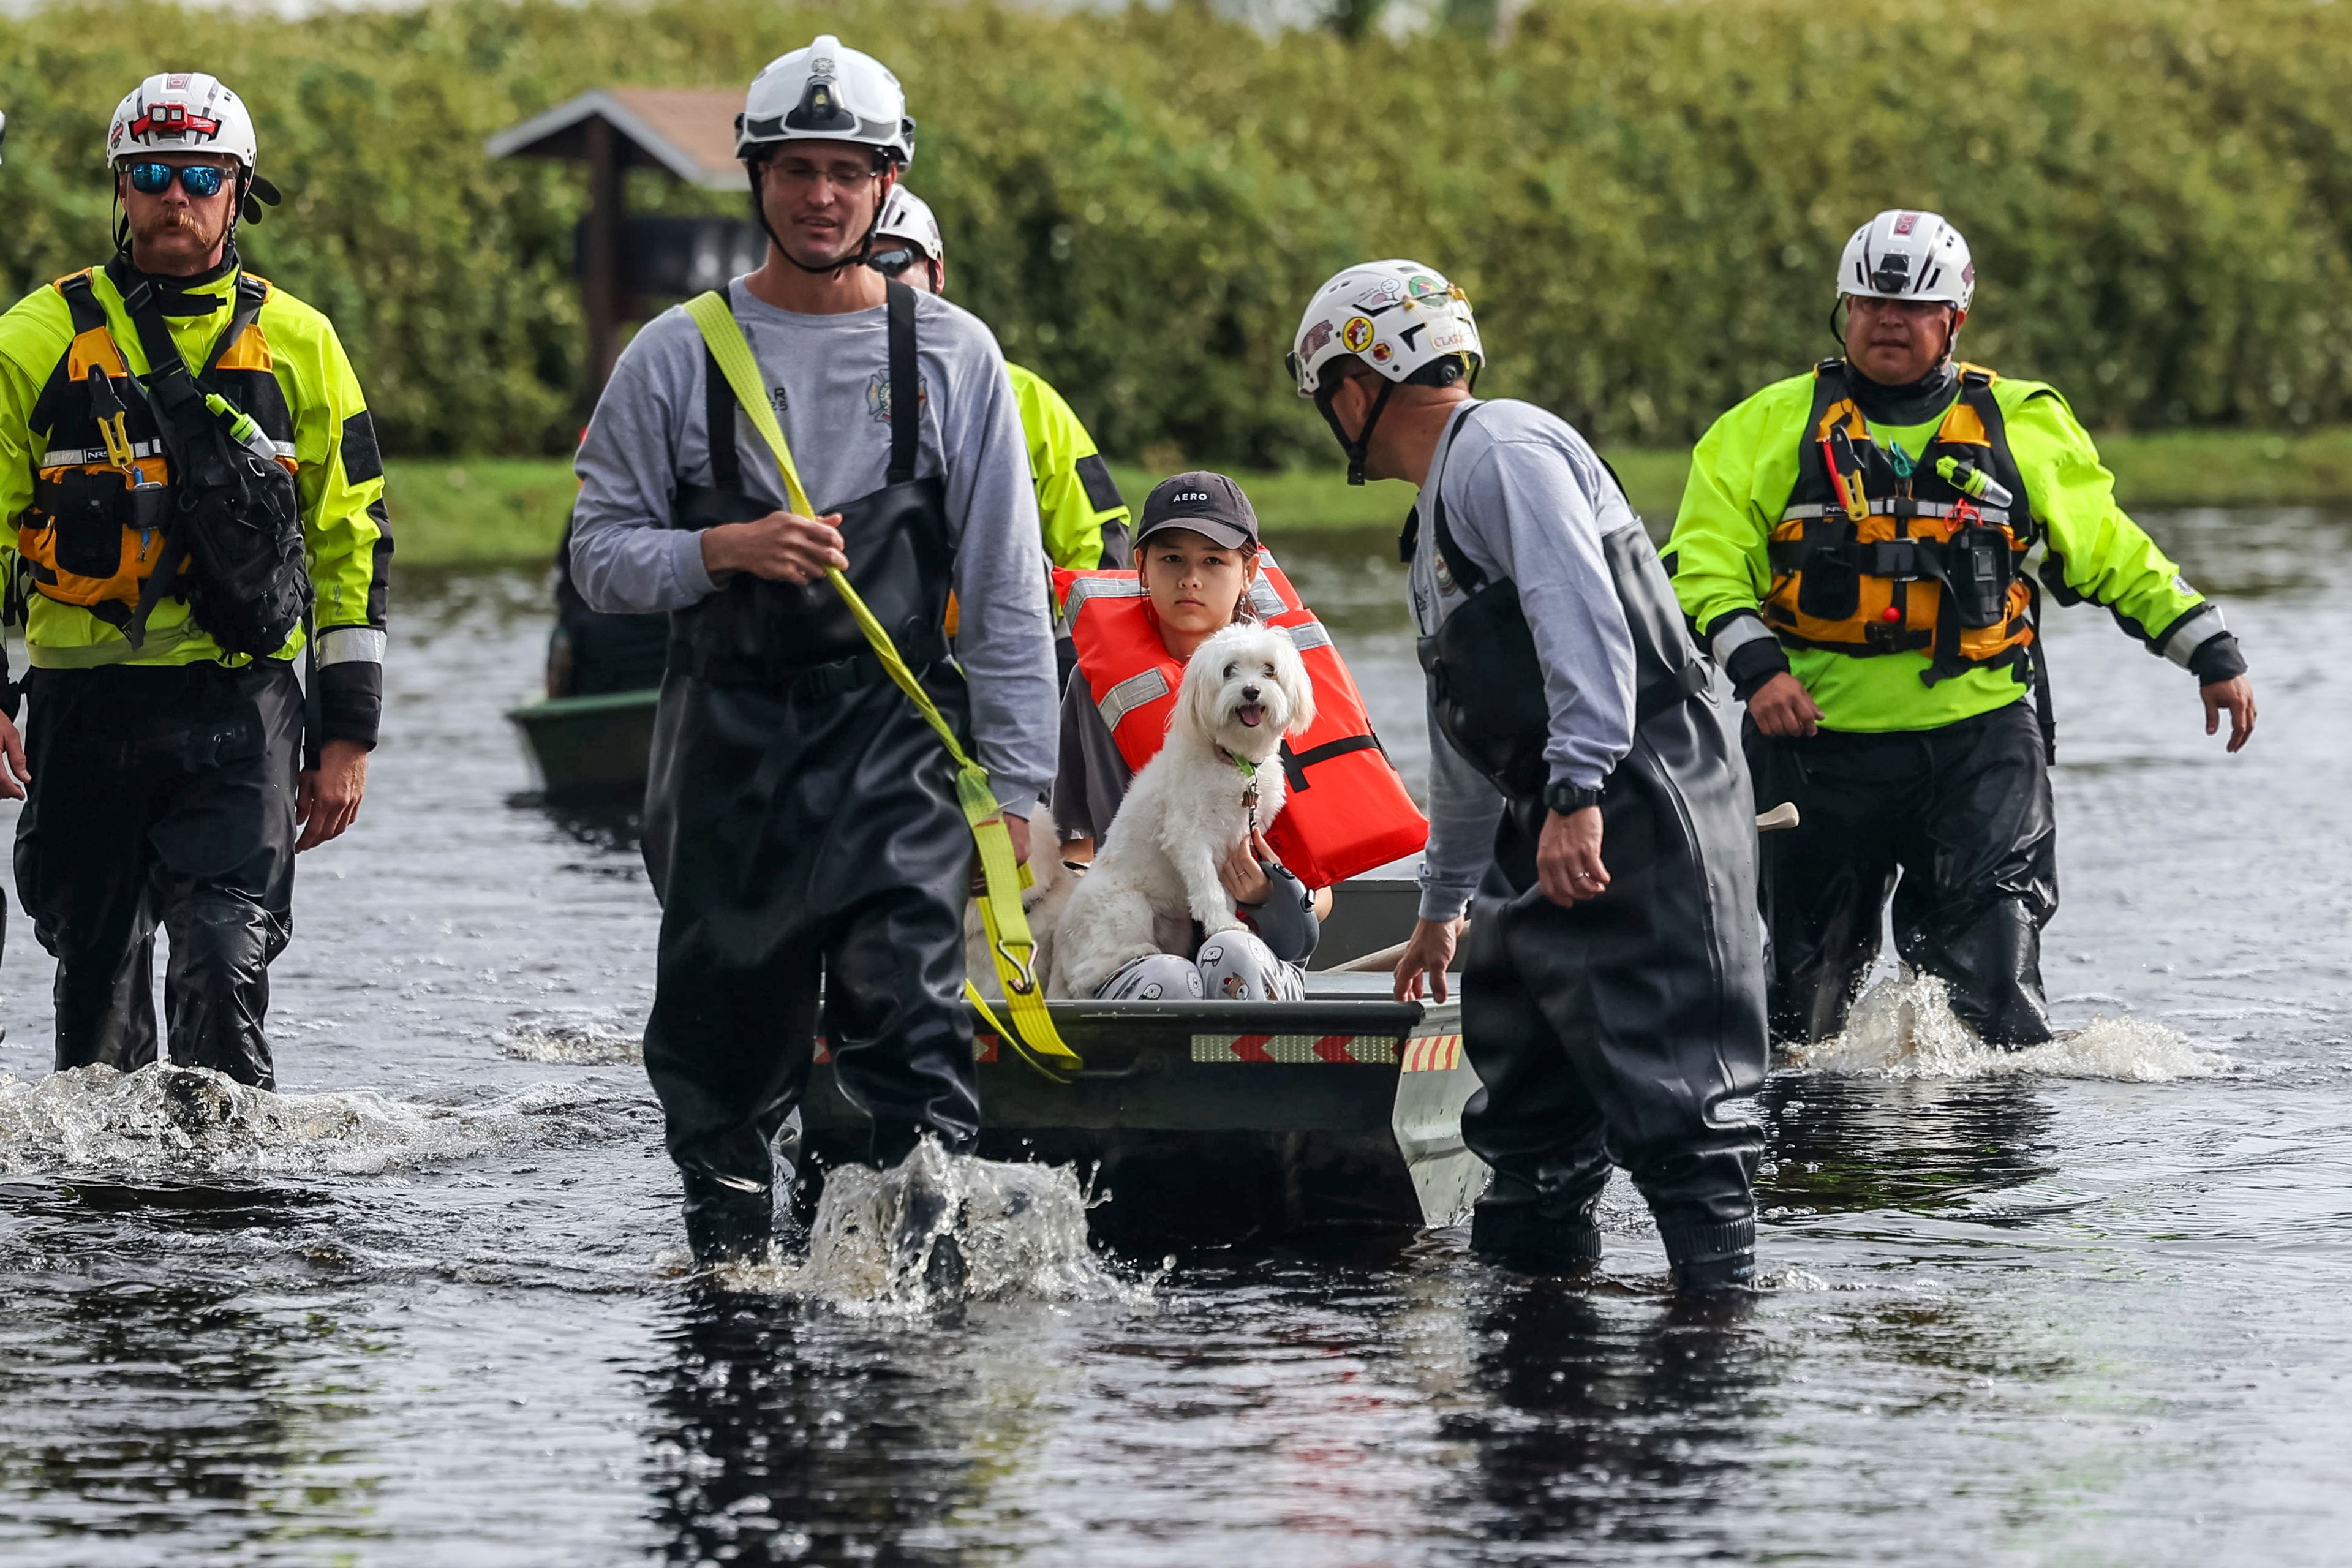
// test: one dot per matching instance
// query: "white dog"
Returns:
(1215, 778)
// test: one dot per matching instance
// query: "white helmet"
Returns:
(1400, 318)
(1905, 255)
(908, 216)
(827, 93)
(1397, 316)
(181, 111)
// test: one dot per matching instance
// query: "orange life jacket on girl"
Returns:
(1346, 811)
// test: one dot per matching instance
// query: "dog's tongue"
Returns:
(1250, 714)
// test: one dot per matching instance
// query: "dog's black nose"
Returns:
(1249, 693)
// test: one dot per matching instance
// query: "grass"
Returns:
(486, 511)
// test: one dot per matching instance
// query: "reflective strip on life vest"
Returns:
(1139, 691)
(1897, 506)
(1309, 634)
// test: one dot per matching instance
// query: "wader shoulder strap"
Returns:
(719, 420)
(1465, 572)
(906, 384)
(1010, 943)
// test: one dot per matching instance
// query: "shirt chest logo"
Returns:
(877, 396)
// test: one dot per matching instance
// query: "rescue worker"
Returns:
(802, 820)
(177, 435)
(1582, 783)
(1084, 516)
(1078, 504)
(1852, 548)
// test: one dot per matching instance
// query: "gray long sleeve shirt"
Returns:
(1525, 498)
(828, 381)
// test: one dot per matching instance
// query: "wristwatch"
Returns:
(1567, 798)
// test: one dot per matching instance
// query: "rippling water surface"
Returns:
(424, 1306)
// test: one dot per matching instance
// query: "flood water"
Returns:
(425, 1308)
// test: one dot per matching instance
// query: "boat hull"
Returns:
(1211, 1120)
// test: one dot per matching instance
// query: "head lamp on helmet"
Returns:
(825, 94)
(1904, 254)
(189, 112)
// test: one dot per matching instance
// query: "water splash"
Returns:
(591, 1040)
(1904, 1028)
(876, 1246)
(174, 1121)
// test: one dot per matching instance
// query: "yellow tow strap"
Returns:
(1006, 923)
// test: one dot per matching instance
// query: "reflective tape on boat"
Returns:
(1376, 1050)
(1431, 1053)
(983, 1050)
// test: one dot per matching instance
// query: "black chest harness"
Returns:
(756, 632)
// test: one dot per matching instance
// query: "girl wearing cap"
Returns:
(1196, 556)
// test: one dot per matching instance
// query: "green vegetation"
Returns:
(1644, 198)
(482, 510)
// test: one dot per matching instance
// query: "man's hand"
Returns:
(780, 547)
(2236, 696)
(17, 773)
(1244, 878)
(1783, 707)
(1426, 958)
(1015, 829)
(1568, 857)
(327, 797)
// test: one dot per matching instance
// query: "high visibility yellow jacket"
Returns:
(337, 472)
(1743, 472)
(1085, 517)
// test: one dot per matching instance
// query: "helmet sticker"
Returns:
(1448, 337)
(1387, 291)
(1421, 286)
(1357, 335)
(1318, 336)
(1383, 354)
(1905, 223)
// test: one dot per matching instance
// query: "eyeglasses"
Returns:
(795, 175)
(892, 262)
(199, 179)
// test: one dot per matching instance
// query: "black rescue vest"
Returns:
(1485, 685)
(144, 493)
(901, 555)
(1872, 562)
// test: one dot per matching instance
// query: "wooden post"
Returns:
(600, 282)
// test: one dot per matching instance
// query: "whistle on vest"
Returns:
(1973, 482)
(1850, 492)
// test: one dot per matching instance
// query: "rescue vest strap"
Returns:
(1010, 943)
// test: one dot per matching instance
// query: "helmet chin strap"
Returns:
(1363, 441)
(835, 269)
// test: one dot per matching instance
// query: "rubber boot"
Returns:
(727, 1226)
(926, 1247)
(1713, 1259)
(1513, 1225)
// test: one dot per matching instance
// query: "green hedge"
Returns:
(1644, 198)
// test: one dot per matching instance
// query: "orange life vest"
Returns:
(1346, 810)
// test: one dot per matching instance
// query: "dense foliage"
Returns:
(1644, 198)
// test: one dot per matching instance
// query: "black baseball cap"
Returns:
(1211, 505)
